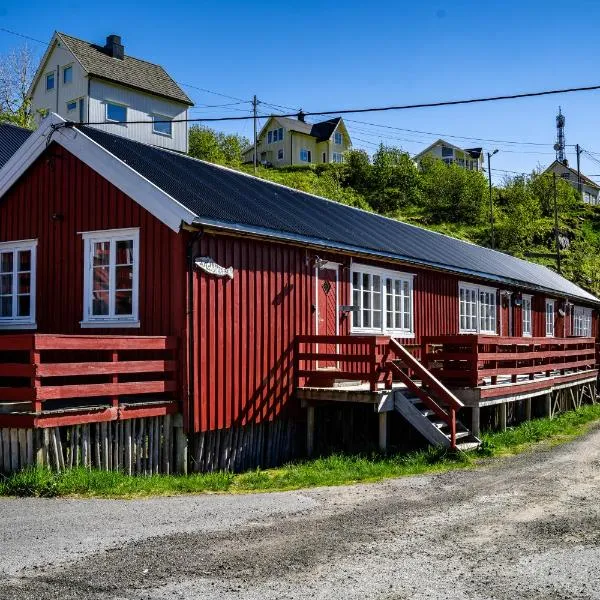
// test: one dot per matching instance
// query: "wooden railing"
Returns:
(319, 358)
(479, 360)
(377, 360)
(42, 368)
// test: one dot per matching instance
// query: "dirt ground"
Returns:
(526, 527)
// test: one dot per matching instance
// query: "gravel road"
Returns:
(526, 527)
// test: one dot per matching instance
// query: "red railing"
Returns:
(42, 368)
(377, 360)
(321, 358)
(480, 360)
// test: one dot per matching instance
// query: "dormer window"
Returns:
(162, 125)
(49, 82)
(68, 75)
(116, 112)
(338, 138)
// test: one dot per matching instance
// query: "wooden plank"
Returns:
(103, 342)
(59, 392)
(105, 368)
(16, 369)
(16, 394)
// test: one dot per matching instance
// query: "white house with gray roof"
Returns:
(101, 84)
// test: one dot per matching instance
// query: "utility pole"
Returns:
(254, 108)
(578, 150)
(489, 156)
(556, 236)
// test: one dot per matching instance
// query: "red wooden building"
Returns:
(159, 312)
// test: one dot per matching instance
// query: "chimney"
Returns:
(114, 47)
(301, 116)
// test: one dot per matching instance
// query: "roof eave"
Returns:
(295, 238)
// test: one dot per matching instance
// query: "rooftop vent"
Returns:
(114, 47)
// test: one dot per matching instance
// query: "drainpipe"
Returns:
(291, 148)
(57, 85)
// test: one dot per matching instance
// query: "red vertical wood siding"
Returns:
(60, 184)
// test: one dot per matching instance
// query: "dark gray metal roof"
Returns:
(322, 131)
(232, 200)
(130, 71)
(11, 138)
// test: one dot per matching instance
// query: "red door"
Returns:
(327, 311)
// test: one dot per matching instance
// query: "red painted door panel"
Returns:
(327, 309)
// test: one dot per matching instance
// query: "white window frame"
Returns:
(64, 70)
(157, 117)
(17, 322)
(338, 157)
(110, 320)
(53, 75)
(383, 275)
(550, 327)
(280, 154)
(109, 103)
(338, 135)
(307, 153)
(582, 321)
(478, 289)
(526, 310)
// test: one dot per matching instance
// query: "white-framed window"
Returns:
(280, 154)
(383, 301)
(67, 75)
(477, 309)
(305, 155)
(72, 106)
(549, 318)
(338, 157)
(582, 321)
(111, 278)
(526, 315)
(162, 125)
(275, 135)
(447, 151)
(17, 284)
(116, 112)
(338, 138)
(50, 81)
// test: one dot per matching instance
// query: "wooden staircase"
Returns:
(427, 404)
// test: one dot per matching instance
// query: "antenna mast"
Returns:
(560, 137)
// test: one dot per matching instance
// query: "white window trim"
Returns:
(30, 321)
(162, 118)
(89, 238)
(546, 304)
(478, 289)
(341, 142)
(383, 273)
(63, 74)
(527, 297)
(581, 315)
(109, 102)
(282, 154)
(48, 90)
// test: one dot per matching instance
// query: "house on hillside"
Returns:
(589, 189)
(467, 158)
(161, 313)
(86, 82)
(283, 142)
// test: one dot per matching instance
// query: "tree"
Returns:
(394, 181)
(16, 74)
(356, 170)
(216, 147)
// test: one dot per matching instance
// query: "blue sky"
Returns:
(327, 56)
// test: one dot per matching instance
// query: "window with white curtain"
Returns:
(477, 309)
(582, 321)
(526, 313)
(383, 301)
(549, 318)
(17, 284)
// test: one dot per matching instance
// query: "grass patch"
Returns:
(331, 470)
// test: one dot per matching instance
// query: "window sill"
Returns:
(109, 324)
(391, 333)
(13, 326)
(161, 134)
